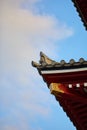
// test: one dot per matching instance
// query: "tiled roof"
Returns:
(81, 7)
(46, 63)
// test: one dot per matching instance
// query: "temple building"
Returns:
(68, 81)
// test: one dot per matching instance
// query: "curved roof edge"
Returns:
(46, 63)
(81, 7)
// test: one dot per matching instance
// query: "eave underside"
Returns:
(65, 78)
(75, 110)
(73, 101)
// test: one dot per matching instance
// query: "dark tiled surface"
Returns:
(81, 7)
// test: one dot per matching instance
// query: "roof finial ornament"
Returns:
(81, 60)
(44, 60)
(35, 64)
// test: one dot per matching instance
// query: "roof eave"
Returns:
(83, 19)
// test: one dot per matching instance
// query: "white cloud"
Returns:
(23, 34)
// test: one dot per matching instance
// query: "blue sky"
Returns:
(26, 28)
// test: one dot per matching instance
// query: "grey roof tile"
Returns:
(46, 63)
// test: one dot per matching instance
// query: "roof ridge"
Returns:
(46, 62)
